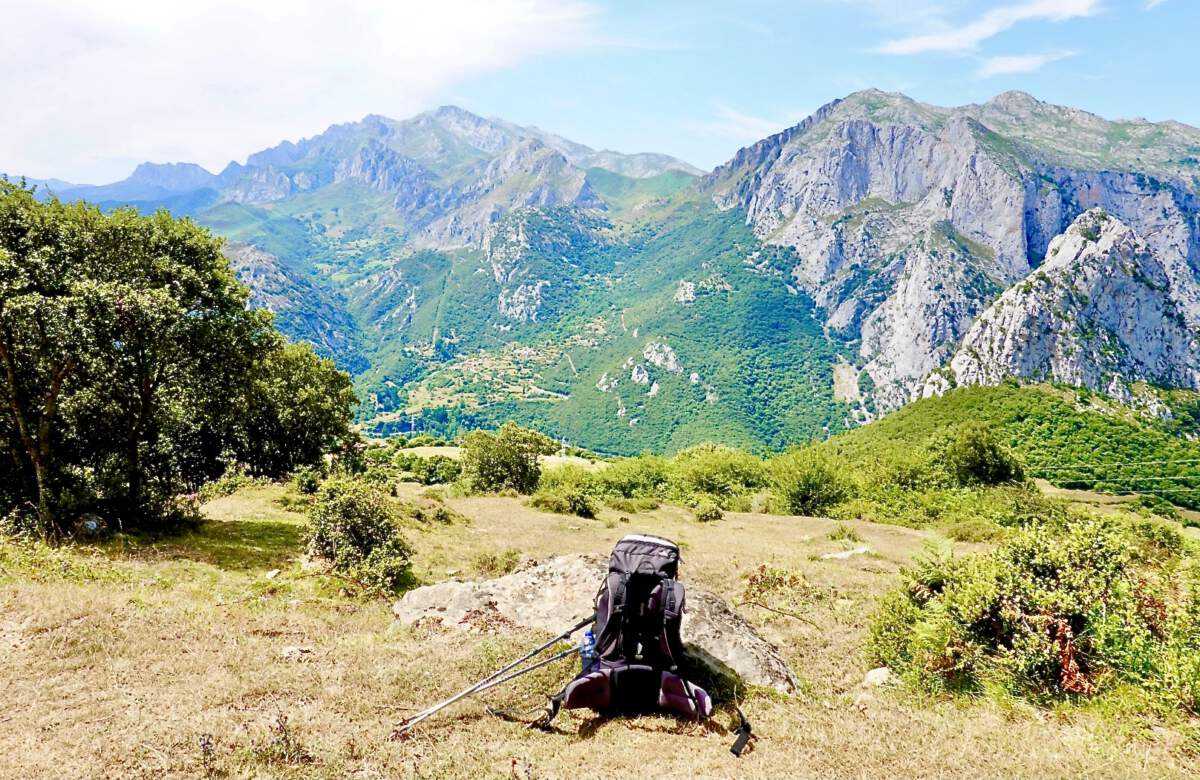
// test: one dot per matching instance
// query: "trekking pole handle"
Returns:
(428, 711)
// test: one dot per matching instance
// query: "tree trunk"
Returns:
(46, 519)
(134, 471)
(36, 442)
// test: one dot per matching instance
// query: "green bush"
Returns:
(436, 469)
(844, 533)
(809, 482)
(505, 459)
(1066, 607)
(645, 475)
(353, 528)
(567, 476)
(721, 473)
(564, 501)
(234, 479)
(496, 564)
(1009, 506)
(307, 480)
(707, 511)
(973, 530)
(632, 505)
(972, 455)
(907, 469)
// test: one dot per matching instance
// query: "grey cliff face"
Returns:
(1100, 312)
(908, 220)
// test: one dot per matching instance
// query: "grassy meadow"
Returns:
(222, 653)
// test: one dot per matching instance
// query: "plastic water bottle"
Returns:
(587, 650)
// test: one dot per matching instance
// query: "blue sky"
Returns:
(699, 80)
(104, 84)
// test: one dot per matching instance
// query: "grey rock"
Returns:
(553, 595)
(1100, 312)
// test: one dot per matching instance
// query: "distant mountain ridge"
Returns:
(909, 219)
(469, 270)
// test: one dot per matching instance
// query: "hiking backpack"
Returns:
(639, 609)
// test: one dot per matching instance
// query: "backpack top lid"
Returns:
(645, 554)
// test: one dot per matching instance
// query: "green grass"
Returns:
(1063, 435)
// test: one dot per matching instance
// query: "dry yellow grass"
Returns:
(184, 659)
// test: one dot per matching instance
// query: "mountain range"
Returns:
(468, 270)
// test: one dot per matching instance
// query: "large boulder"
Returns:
(554, 595)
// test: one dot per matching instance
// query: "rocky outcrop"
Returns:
(908, 220)
(244, 184)
(1100, 312)
(553, 595)
(298, 305)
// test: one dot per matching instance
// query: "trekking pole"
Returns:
(409, 722)
(528, 669)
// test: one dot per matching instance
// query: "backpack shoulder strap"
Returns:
(610, 604)
(674, 602)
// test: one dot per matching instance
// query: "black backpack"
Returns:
(639, 609)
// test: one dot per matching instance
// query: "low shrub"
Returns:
(779, 590)
(434, 470)
(1066, 607)
(707, 511)
(422, 440)
(644, 475)
(809, 482)
(307, 480)
(567, 476)
(234, 479)
(564, 501)
(496, 564)
(972, 455)
(1155, 505)
(566, 490)
(21, 523)
(1009, 506)
(844, 533)
(632, 505)
(973, 530)
(353, 528)
(716, 471)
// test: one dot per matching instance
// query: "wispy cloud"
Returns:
(968, 36)
(1020, 63)
(735, 125)
(103, 85)
(1154, 3)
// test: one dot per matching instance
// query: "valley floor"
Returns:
(193, 658)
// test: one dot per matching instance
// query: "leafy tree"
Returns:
(973, 455)
(506, 459)
(130, 366)
(300, 408)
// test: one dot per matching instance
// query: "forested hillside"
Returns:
(467, 270)
(1073, 438)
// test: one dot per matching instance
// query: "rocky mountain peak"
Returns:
(1015, 99)
(1100, 313)
(171, 177)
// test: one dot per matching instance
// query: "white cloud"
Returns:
(93, 86)
(992, 23)
(1154, 3)
(1020, 63)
